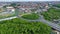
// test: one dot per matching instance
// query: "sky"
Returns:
(27, 0)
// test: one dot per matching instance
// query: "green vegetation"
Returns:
(14, 5)
(32, 16)
(5, 6)
(57, 5)
(51, 14)
(19, 26)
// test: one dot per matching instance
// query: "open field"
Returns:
(32, 16)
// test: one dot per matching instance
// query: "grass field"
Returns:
(32, 16)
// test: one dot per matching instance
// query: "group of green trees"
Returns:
(32, 16)
(57, 5)
(51, 14)
(12, 4)
(19, 26)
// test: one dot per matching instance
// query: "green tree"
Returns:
(13, 4)
(19, 26)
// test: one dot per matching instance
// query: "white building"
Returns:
(10, 8)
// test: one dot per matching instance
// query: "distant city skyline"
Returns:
(26, 0)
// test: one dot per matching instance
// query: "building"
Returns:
(10, 8)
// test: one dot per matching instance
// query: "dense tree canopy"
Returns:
(19, 26)
(57, 5)
(13, 4)
(51, 14)
(5, 6)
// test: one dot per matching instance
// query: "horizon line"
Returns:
(28, 1)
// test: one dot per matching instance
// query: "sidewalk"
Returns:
(8, 18)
